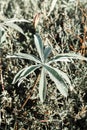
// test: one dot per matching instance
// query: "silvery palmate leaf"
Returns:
(17, 76)
(14, 26)
(60, 79)
(10, 23)
(25, 72)
(25, 56)
(15, 20)
(42, 85)
(66, 57)
(39, 46)
(47, 51)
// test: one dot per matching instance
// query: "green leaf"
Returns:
(24, 56)
(25, 72)
(42, 86)
(66, 56)
(39, 46)
(58, 80)
(47, 51)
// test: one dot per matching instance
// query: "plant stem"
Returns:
(28, 97)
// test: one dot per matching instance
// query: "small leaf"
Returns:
(42, 86)
(24, 56)
(39, 46)
(58, 80)
(47, 51)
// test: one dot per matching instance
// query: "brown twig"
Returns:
(28, 97)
